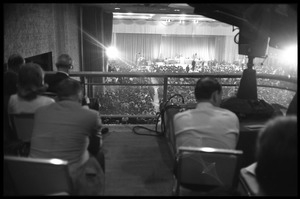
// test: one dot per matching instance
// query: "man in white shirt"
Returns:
(207, 125)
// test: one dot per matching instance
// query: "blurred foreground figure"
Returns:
(277, 158)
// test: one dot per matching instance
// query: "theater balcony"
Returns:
(131, 102)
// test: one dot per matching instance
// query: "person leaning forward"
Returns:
(63, 130)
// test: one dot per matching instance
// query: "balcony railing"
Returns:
(166, 81)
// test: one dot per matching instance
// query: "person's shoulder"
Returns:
(182, 114)
(91, 111)
(225, 112)
(13, 97)
(45, 108)
(46, 99)
(10, 73)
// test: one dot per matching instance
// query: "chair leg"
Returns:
(175, 190)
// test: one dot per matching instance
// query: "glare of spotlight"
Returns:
(289, 56)
(112, 52)
(56, 161)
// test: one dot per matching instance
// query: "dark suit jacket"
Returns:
(10, 79)
(10, 83)
(53, 80)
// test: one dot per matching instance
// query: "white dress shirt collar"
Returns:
(63, 72)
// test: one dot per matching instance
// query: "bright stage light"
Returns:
(112, 52)
(289, 56)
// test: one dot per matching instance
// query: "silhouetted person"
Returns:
(193, 65)
(187, 68)
(11, 75)
(10, 78)
(64, 64)
(277, 158)
(292, 109)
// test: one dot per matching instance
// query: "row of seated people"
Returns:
(62, 127)
(208, 125)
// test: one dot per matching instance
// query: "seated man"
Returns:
(207, 125)
(277, 153)
(62, 129)
(64, 64)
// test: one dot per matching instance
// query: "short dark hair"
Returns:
(67, 88)
(205, 87)
(14, 62)
(277, 164)
(64, 61)
(30, 81)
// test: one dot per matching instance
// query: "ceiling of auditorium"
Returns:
(154, 12)
(156, 8)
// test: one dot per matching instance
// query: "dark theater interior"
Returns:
(150, 99)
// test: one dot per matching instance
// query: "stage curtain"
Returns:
(129, 45)
(153, 46)
(186, 46)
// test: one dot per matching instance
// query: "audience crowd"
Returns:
(130, 100)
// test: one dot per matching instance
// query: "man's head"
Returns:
(208, 89)
(64, 63)
(69, 89)
(14, 62)
(276, 155)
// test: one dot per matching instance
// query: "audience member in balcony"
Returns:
(292, 108)
(30, 86)
(10, 79)
(62, 130)
(11, 75)
(208, 125)
(277, 158)
(64, 64)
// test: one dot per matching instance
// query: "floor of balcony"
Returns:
(136, 165)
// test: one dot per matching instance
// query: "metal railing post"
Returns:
(165, 89)
(83, 84)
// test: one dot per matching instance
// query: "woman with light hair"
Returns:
(30, 85)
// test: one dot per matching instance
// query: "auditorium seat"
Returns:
(22, 125)
(201, 170)
(30, 176)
